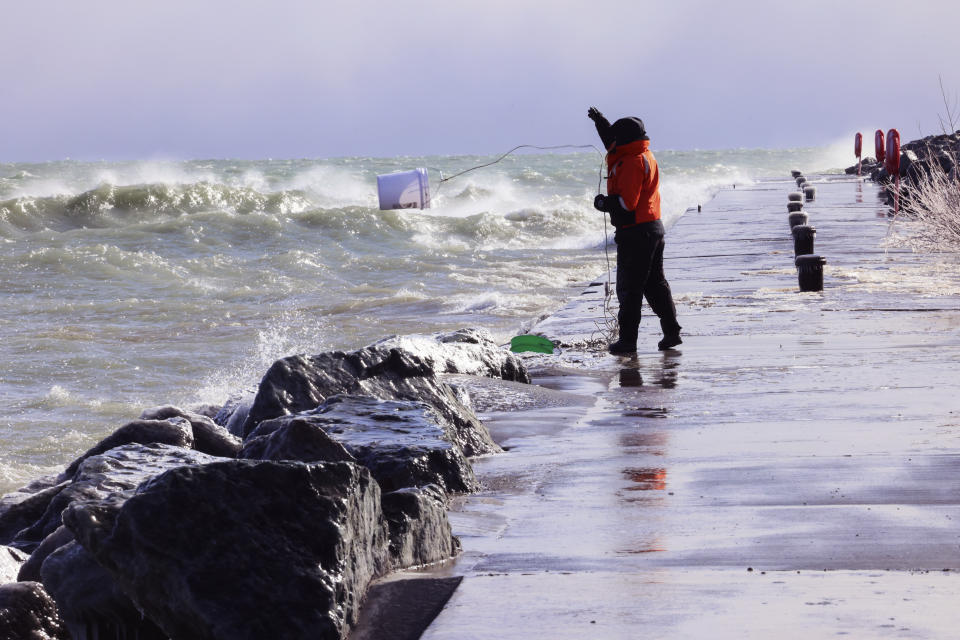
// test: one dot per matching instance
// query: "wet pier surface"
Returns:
(792, 470)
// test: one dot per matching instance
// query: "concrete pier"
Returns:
(791, 471)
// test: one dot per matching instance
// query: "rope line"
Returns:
(610, 328)
(517, 148)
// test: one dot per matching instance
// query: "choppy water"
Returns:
(131, 284)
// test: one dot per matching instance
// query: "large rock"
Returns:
(208, 436)
(90, 602)
(21, 508)
(403, 443)
(930, 144)
(301, 383)
(10, 562)
(176, 432)
(234, 412)
(243, 550)
(30, 570)
(866, 166)
(927, 155)
(947, 161)
(28, 613)
(466, 351)
(419, 528)
(117, 471)
(909, 165)
(205, 410)
(298, 437)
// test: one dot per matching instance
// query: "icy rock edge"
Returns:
(268, 516)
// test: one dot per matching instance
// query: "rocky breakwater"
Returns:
(918, 160)
(336, 473)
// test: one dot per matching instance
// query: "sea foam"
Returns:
(134, 284)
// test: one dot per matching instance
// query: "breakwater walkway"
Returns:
(791, 471)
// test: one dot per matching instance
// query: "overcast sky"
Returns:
(123, 79)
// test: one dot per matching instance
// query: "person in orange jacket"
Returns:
(633, 202)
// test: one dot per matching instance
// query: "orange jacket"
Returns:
(634, 176)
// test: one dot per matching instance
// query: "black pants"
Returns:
(639, 276)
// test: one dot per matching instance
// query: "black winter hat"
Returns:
(627, 130)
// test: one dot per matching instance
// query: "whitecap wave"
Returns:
(142, 283)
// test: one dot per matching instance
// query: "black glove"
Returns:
(594, 114)
(611, 204)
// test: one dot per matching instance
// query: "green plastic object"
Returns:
(538, 344)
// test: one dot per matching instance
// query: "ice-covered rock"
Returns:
(301, 383)
(467, 351)
(117, 471)
(234, 412)
(89, 600)
(404, 443)
(176, 432)
(918, 157)
(208, 436)
(20, 509)
(295, 437)
(866, 166)
(91, 603)
(11, 560)
(243, 550)
(28, 613)
(30, 570)
(419, 528)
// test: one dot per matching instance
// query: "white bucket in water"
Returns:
(404, 190)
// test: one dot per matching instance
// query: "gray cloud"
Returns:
(295, 78)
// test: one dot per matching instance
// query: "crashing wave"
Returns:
(111, 205)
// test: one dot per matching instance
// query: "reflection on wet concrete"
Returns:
(668, 371)
(653, 548)
(664, 372)
(647, 412)
(631, 378)
(650, 443)
(654, 479)
(808, 464)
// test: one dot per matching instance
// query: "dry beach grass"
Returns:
(935, 207)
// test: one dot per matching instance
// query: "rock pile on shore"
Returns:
(940, 153)
(267, 517)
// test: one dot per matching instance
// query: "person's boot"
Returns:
(671, 333)
(628, 325)
(627, 342)
(669, 341)
(622, 346)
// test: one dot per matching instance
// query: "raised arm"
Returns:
(602, 124)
